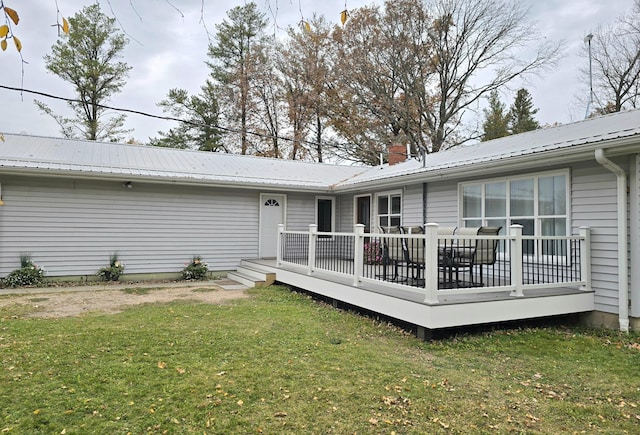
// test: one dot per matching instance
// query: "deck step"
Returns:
(260, 275)
(265, 273)
(252, 277)
(244, 280)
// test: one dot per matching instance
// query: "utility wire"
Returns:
(151, 115)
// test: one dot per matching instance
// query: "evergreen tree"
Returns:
(234, 62)
(521, 113)
(200, 112)
(87, 57)
(496, 119)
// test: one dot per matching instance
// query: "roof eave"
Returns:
(615, 147)
(181, 181)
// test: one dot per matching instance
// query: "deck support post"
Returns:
(424, 334)
(358, 254)
(313, 236)
(279, 245)
(431, 263)
(515, 231)
(585, 258)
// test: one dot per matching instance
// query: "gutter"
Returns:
(623, 279)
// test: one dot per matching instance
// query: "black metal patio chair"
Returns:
(469, 253)
(394, 253)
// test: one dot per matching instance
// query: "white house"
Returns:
(70, 204)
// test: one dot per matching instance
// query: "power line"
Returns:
(151, 115)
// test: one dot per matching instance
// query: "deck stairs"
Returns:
(251, 275)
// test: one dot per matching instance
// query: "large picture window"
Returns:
(389, 209)
(538, 203)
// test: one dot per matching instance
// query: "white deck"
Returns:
(451, 310)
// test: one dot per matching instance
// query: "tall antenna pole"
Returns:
(587, 40)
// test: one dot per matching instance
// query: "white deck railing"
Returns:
(423, 262)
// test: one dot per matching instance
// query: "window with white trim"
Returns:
(389, 209)
(539, 203)
(325, 215)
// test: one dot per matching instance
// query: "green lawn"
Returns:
(280, 362)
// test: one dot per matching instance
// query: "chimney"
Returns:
(397, 154)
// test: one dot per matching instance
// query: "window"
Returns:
(538, 203)
(325, 215)
(389, 209)
(363, 211)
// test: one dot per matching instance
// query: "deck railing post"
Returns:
(515, 231)
(313, 236)
(279, 245)
(431, 263)
(585, 258)
(358, 253)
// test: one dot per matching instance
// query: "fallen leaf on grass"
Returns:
(162, 365)
(441, 423)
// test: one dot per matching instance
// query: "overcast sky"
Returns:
(169, 44)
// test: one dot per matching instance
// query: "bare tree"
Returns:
(478, 36)
(306, 59)
(379, 93)
(408, 73)
(615, 60)
(267, 109)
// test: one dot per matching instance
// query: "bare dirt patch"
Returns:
(74, 303)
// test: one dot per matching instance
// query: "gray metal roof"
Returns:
(33, 154)
(544, 146)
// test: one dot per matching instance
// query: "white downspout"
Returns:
(623, 278)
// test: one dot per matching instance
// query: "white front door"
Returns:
(273, 211)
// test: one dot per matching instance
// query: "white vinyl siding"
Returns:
(442, 204)
(344, 213)
(412, 205)
(594, 205)
(72, 227)
(300, 211)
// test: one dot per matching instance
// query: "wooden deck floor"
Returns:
(408, 304)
